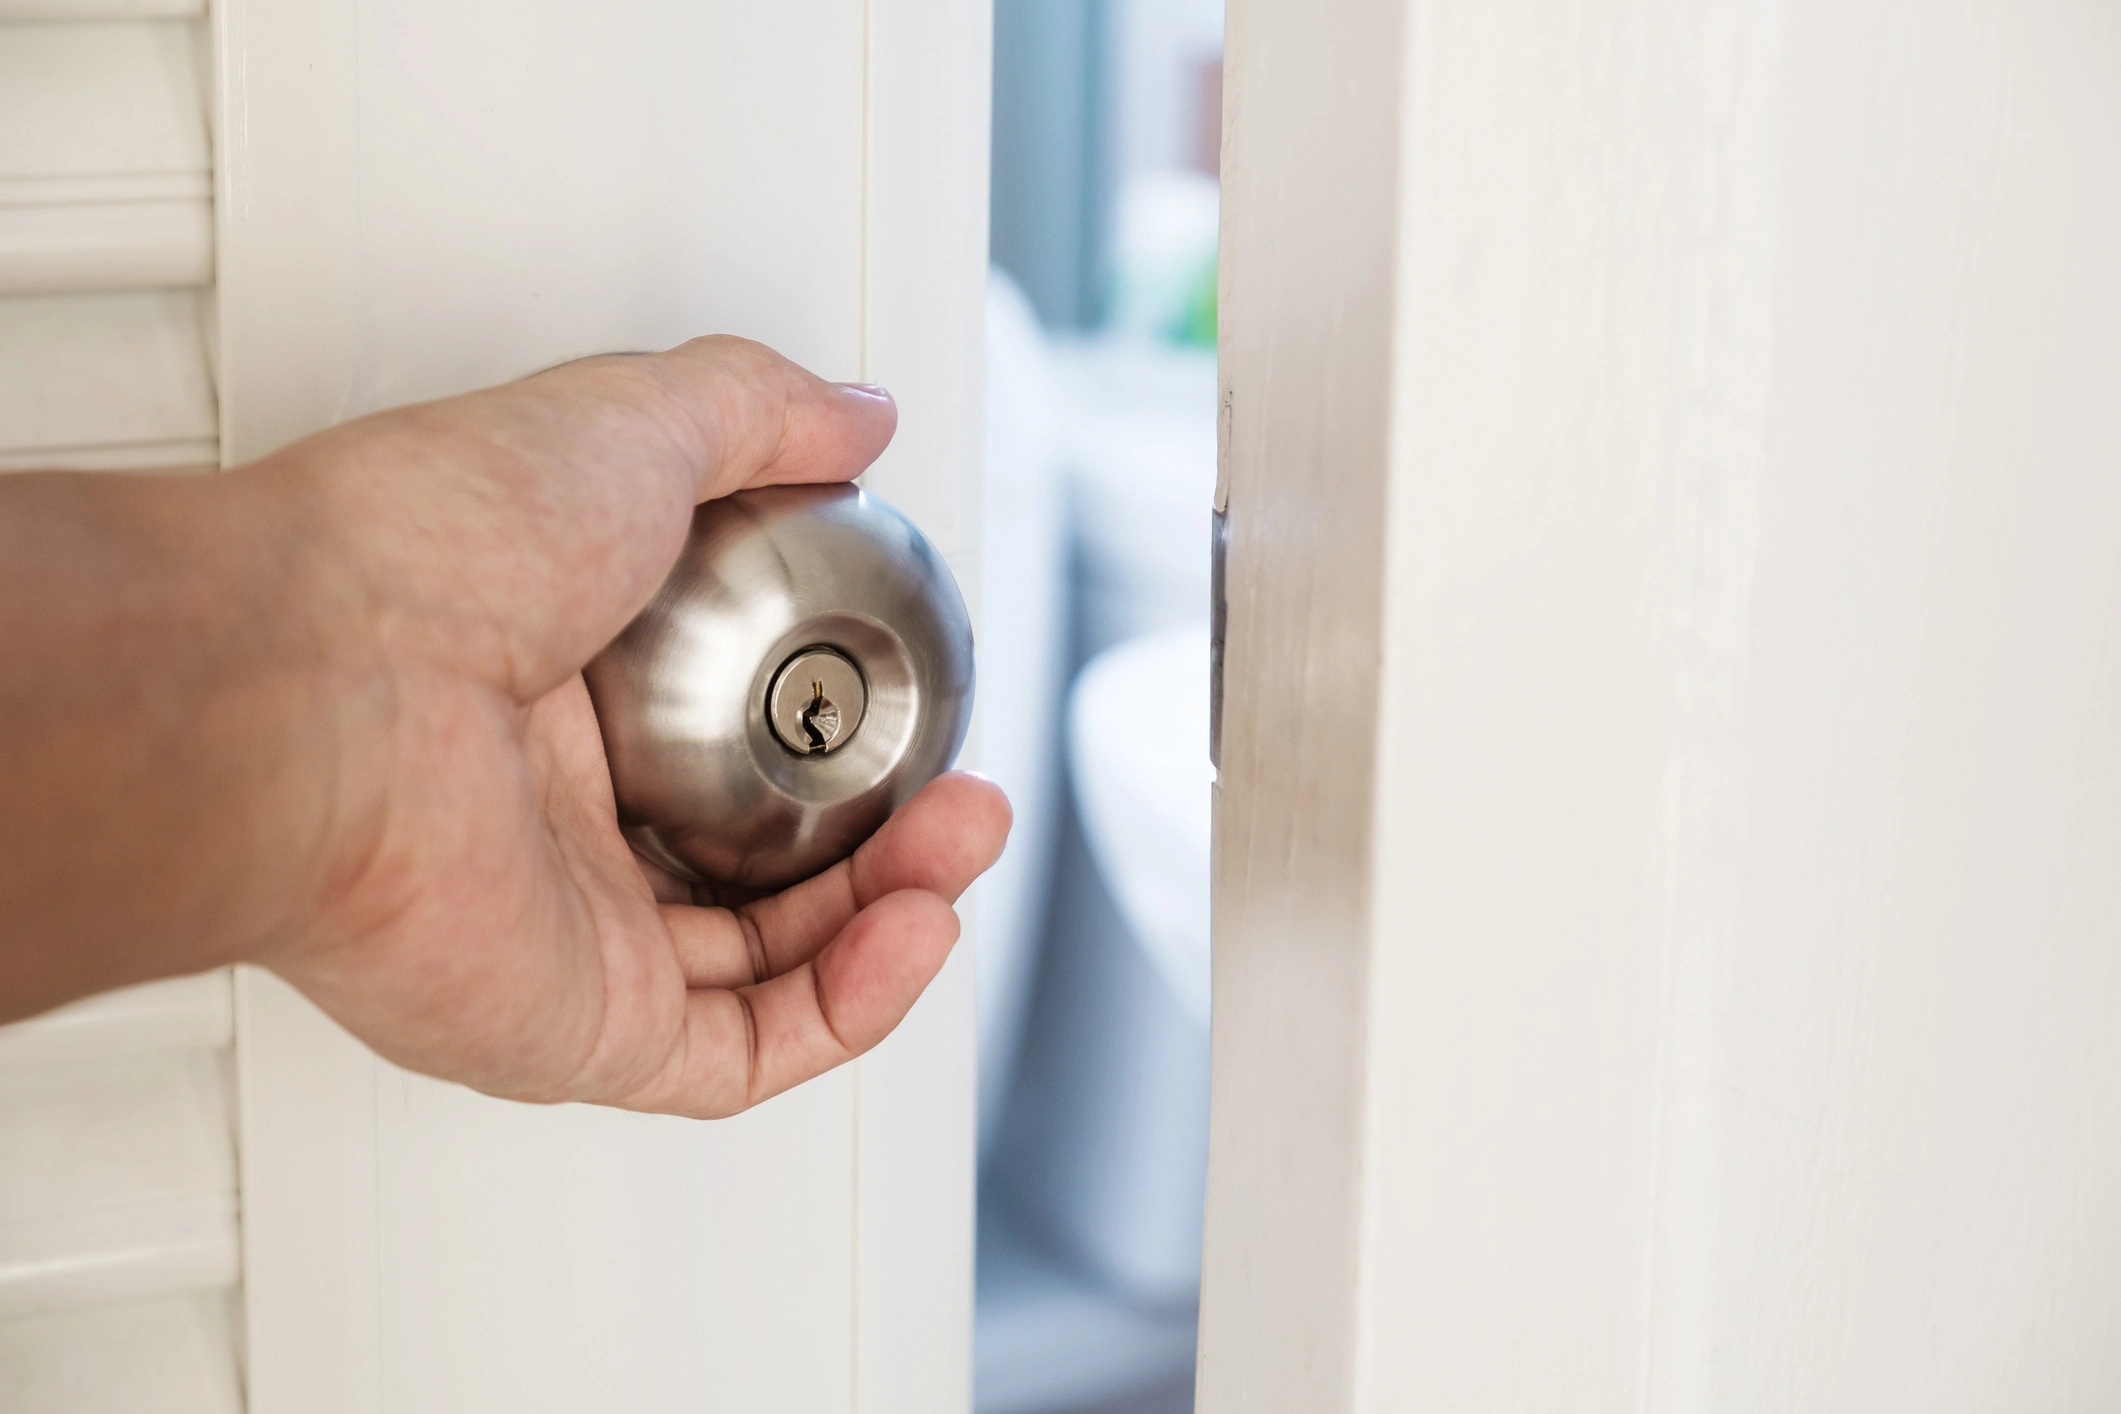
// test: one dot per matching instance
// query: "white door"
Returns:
(1669, 869)
(393, 201)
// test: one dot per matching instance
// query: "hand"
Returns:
(462, 899)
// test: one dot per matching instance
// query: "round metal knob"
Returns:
(806, 667)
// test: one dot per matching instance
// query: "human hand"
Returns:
(498, 930)
(446, 876)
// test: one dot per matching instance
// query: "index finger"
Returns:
(745, 416)
(527, 523)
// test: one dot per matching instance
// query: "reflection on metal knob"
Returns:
(806, 667)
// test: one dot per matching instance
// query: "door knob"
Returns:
(804, 669)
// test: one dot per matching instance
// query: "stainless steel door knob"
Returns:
(806, 668)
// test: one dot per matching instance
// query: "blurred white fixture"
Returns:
(1138, 436)
(1137, 1165)
(1023, 649)
(1138, 757)
(1090, 1248)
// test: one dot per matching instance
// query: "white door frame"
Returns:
(1666, 890)
(819, 183)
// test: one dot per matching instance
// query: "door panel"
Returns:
(482, 190)
(523, 185)
(118, 1241)
(105, 381)
(170, 1355)
(413, 200)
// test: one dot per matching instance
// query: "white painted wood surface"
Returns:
(119, 1242)
(105, 381)
(1667, 912)
(113, 102)
(100, 9)
(118, 1208)
(117, 1180)
(104, 188)
(423, 198)
(105, 245)
(924, 276)
(172, 1355)
(1311, 105)
(104, 160)
(181, 1014)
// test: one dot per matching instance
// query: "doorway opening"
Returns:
(1093, 669)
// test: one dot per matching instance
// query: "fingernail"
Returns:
(869, 390)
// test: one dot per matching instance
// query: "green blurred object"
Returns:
(1163, 260)
(1196, 323)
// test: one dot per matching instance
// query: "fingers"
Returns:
(949, 834)
(510, 533)
(715, 947)
(635, 442)
(718, 414)
(787, 988)
(760, 420)
(748, 1044)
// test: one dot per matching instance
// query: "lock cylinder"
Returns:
(816, 702)
(804, 669)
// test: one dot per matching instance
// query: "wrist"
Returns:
(185, 716)
(316, 700)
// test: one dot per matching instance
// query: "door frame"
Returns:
(1492, 443)
(1665, 891)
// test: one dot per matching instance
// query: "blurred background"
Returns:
(1093, 684)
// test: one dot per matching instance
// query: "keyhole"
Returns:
(817, 699)
(821, 719)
